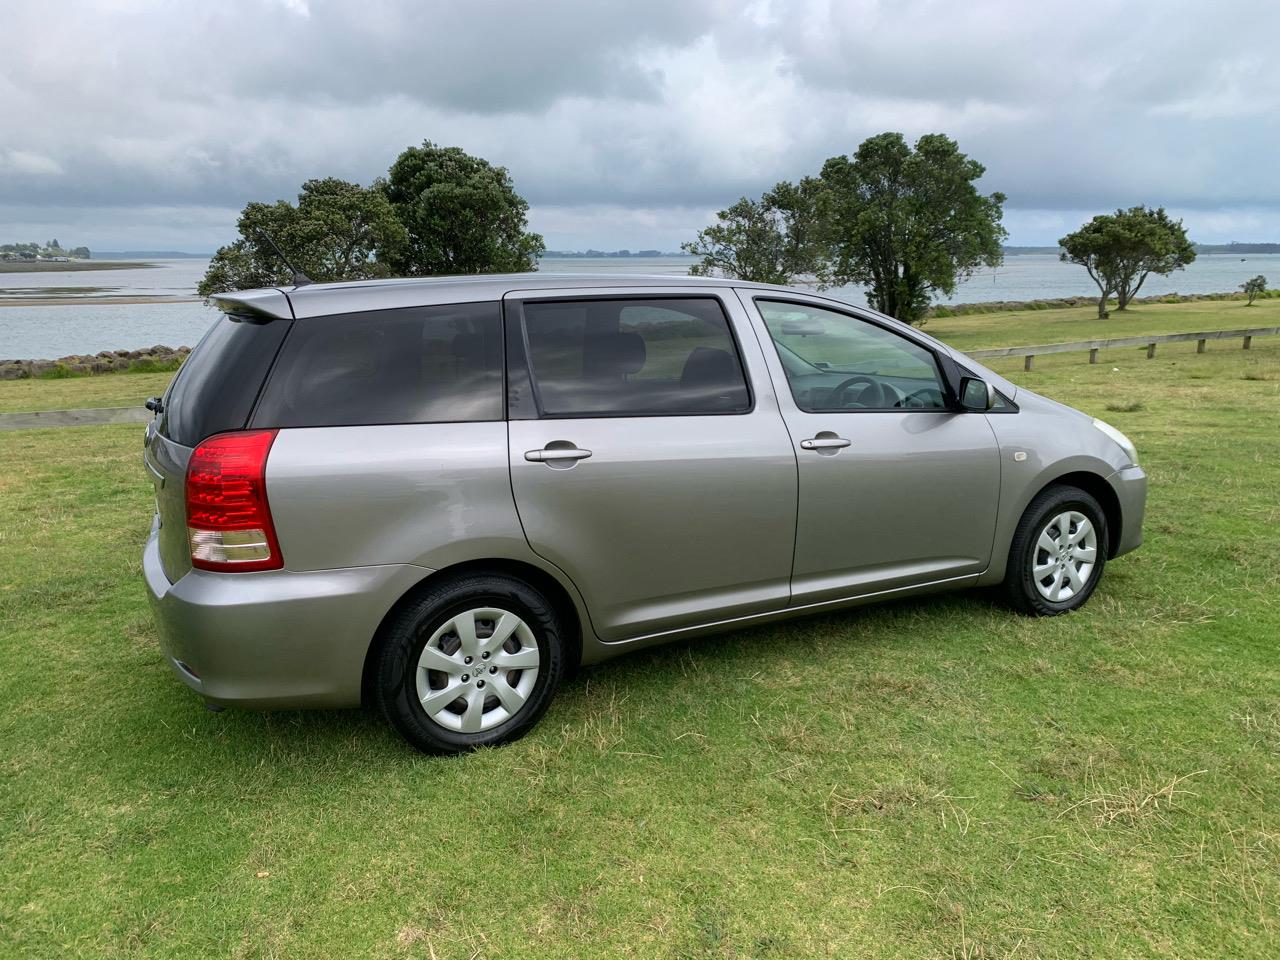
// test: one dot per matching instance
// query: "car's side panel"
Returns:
(1041, 443)
(432, 495)
(428, 494)
(673, 520)
(910, 500)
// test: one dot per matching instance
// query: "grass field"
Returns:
(74, 393)
(1082, 323)
(928, 778)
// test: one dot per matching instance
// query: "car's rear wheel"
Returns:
(1058, 552)
(471, 661)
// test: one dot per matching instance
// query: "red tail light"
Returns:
(228, 520)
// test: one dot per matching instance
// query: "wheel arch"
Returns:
(1098, 488)
(547, 584)
(1088, 477)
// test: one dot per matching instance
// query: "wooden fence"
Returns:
(1149, 341)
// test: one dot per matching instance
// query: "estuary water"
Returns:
(47, 331)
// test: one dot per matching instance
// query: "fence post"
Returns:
(1247, 342)
(1093, 355)
(1151, 350)
(1200, 346)
(1027, 362)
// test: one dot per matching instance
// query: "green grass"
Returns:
(73, 393)
(928, 778)
(1081, 323)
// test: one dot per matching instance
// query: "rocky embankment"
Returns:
(157, 358)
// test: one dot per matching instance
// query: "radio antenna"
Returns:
(300, 279)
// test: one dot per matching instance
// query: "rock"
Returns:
(105, 361)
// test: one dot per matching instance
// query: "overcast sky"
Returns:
(146, 124)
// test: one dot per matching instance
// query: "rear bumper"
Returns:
(1130, 485)
(273, 639)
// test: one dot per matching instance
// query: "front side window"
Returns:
(835, 362)
(635, 357)
(440, 364)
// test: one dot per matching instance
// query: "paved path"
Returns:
(74, 418)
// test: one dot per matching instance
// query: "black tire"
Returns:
(407, 633)
(1019, 586)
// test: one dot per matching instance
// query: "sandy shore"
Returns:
(71, 266)
(92, 301)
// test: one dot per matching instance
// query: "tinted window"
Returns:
(634, 357)
(420, 365)
(215, 389)
(836, 362)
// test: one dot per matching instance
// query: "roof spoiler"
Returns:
(255, 304)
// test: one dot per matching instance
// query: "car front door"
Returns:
(648, 458)
(897, 486)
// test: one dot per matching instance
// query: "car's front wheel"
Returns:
(471, 661)
(1058, 552)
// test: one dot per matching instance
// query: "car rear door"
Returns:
(897, 486)
(648, 458)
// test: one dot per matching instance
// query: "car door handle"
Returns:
(825, 443)
(555, 454)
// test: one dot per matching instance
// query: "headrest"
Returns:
(710, 365)
(611, 354)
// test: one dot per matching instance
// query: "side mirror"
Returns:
(977, 395)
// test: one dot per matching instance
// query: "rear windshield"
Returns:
(215, 389)
(439, 364)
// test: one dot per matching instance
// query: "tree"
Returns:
(1122, 249)
(337, 231)
(771, 240)
(460, 214)
(1254, 287)
(907, 223)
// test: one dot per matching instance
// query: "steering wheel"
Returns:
(837, 394)
(924, 398)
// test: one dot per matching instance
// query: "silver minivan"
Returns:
(440, 495)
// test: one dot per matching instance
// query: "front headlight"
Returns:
(1124, 442)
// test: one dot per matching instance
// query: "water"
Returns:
(55, 331)
(169, 278)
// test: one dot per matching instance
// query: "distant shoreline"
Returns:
(70, 266)
(92, 301)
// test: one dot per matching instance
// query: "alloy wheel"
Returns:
(1065, 555)
(477, 670)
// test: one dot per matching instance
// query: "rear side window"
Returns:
(643, 357)
(215, 389)
(439, 364)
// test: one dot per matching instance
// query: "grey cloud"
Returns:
(608, 106)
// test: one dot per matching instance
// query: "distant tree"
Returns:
(1254, 287)
(81, 253)
(460, 214)
(1122, 249)
(907, 223)
(771, 240)
(337, 231)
